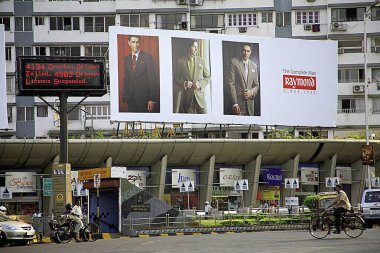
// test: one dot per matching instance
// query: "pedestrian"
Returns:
(208, 208)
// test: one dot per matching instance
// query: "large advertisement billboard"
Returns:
(196, 77)
(3, 88)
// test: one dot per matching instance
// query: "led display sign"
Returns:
(48, 76)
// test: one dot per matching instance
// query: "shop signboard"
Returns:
(6, 193)
(182, 175)
(227, 176)
(291, 183)
(344, 174)
(332, 181)
(21, 182)
(309, 176)
(137, 177)
(272, 176)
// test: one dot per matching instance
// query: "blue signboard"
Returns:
(272, 176)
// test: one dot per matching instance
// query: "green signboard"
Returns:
(48, 186)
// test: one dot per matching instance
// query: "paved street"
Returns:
(279, 241)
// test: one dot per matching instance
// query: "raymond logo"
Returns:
(299, 82)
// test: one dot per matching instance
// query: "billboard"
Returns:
(49, 76)
(3, 88)
(196, 77)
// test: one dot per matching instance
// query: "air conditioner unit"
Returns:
(358, 89)
(181, 2)
(242, 29)
(307, 27)
(196, 2)
(88, 128)
(337, 26)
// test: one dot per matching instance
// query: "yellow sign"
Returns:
(89, 174)
(59, 197)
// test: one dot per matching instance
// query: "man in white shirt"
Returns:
(76, 212)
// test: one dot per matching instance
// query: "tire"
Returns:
(91, 232)
(353, 226)
(319, 228)
(64, 233)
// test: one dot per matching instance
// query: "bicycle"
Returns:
(65, 232)
(321, 223)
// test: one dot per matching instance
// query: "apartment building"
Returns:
(80, 28)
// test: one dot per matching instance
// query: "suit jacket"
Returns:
(237, 83)
(139, 87)
(201, 74)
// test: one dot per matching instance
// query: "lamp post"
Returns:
(367, 80)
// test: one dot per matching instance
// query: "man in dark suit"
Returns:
(139, 89)
(243, 81)
(191, 78)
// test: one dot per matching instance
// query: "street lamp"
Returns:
(367, 80)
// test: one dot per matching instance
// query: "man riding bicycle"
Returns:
(75, 213)
(341, 205)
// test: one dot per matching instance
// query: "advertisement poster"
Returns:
(182, 175)
(196, 77)
(229, 175)
(21, 181)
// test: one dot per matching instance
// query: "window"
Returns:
(8, 53)
(98, 112)
(347, 14)
(25, 113)
(307, 17)
(10, 86)
(42, 111)
(74, 114)
(135, 20)
(375, 45)
(350, 75)
(21, 51)
(350, 46)
(245, 19)
(9, 112)
(207, 21)
(65, 51)
(376, 76)
(6, 21)
(95, 51)
(376, 105)
(40, 50)
(98, 24)
(39, 21)
(170, 21)
(64, 23)
(375, 15)
(266, 17)
(351, 106)
(23, 24)
(283, 18)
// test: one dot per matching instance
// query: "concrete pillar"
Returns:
(158, 178)
(252, 173)
(358, 173)
(206, 181)
(327, 170)
(290, 170)
(108, 162)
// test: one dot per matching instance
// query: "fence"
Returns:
(247, 217)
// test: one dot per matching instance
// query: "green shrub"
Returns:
(311, 201)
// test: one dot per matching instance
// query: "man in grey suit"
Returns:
(243, 80)
(191, 78)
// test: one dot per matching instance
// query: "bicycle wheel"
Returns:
(64, 233)
(91, 232)
(353, 226)
(319, 228)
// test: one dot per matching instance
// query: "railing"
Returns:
(198, 219)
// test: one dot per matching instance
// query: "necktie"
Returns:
(246, 71)
(191, 68)
(134, 60)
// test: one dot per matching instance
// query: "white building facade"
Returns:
(80, 28)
